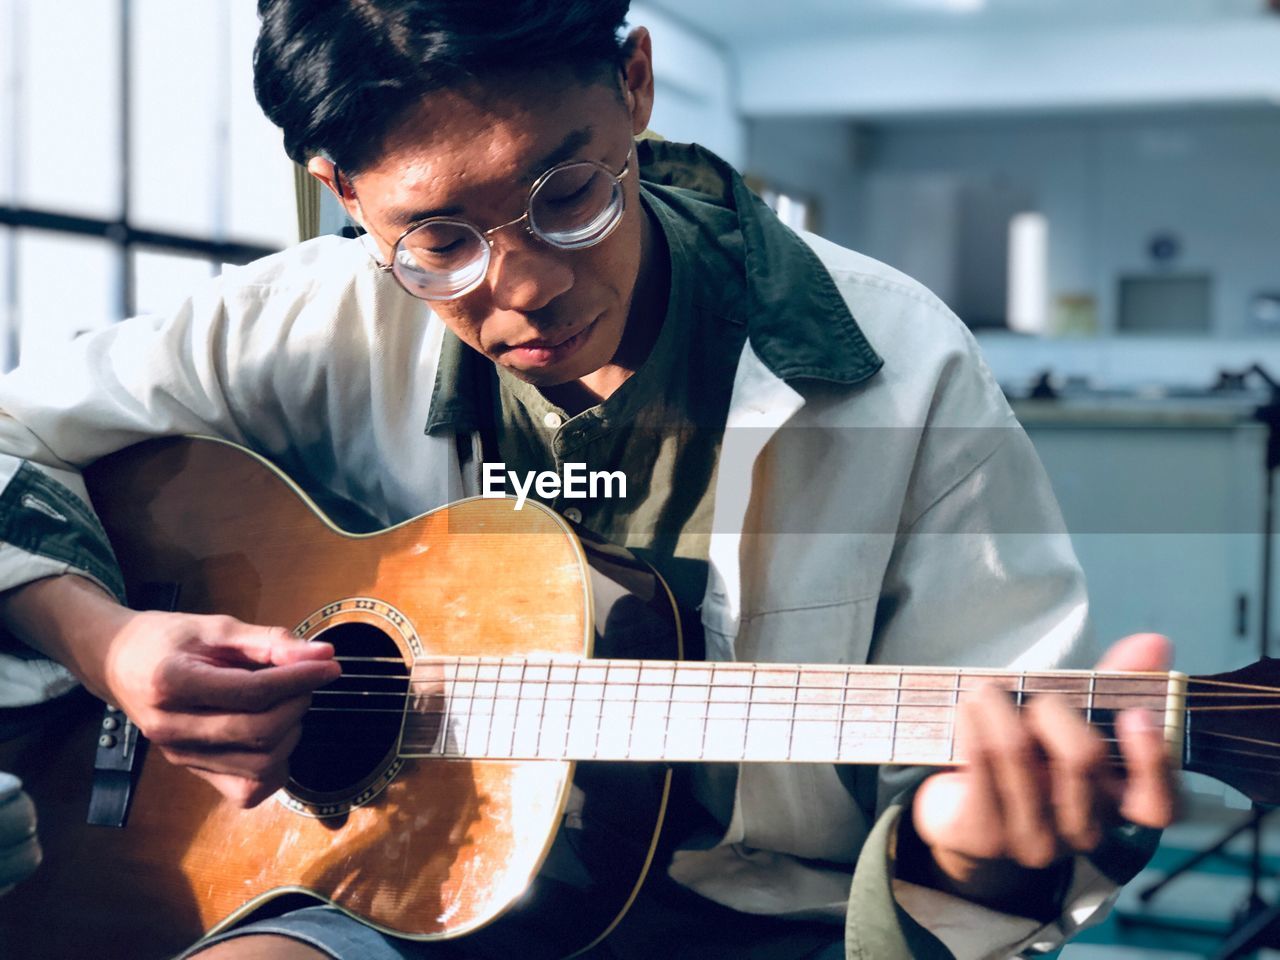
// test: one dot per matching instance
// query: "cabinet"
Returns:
(1164, 503)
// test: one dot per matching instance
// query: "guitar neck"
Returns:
(655, 710)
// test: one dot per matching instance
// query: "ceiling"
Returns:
(736, 23)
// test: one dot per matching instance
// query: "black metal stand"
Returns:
(1255, 918)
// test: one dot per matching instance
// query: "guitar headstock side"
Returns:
(1233, 729)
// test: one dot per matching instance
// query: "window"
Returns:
(134, 161)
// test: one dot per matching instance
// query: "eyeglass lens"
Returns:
(576, 206)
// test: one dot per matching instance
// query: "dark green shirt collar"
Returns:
(797, 322)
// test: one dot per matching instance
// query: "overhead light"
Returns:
(954, 6)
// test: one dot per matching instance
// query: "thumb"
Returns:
(1137, 653)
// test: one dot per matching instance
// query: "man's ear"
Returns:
(324, 170)
(637, 78)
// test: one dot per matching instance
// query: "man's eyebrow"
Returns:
(567, 149)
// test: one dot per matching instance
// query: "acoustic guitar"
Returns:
(452, 783)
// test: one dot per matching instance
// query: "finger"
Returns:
(961, 810)
(259, 766)
(243, 792)
(249, 732)
(1139, 652)
(1017, 765)
(187, 682)
(1148, 797)
(266, 646)
(1078, 768)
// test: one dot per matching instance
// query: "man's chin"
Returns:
(548, 377)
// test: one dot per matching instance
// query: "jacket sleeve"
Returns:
(982, 573)
(145, 377)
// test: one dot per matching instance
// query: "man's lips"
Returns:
(543, 344)
(543, 351)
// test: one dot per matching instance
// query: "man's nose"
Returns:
(526, 275)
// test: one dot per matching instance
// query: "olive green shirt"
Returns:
(662, 428)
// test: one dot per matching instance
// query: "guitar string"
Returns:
(1100, 702)
(694, 665)
(747, 668)
(1157, 695)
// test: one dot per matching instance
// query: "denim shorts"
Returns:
(689, 929)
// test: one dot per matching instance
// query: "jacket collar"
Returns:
(798, 323)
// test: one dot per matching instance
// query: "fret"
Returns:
(795, 702)
(844, 704)
(652, 711)
(1022, 689)
(631, 720)
(687, 724)
(556, 705)
(573, 699)
(584, 738)
(666, 720)
(897, 706)
(522, 728)
(955, 718)
(506, 710)
(442, 735)
(493, 702)
(617, 710)
(1093, 689)
(706, 719)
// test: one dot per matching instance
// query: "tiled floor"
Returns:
(1204, 899)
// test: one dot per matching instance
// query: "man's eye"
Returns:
(440, 251)
(577, 196)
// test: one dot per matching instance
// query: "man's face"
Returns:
(548, 315)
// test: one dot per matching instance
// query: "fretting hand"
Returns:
(1039, 785)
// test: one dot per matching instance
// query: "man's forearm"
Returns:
(69, 619)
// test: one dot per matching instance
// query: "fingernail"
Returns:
(1140, 721)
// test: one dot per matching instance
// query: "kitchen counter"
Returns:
(1208, 411)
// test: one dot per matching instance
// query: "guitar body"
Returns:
(498, 851)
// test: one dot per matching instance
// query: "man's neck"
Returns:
(644, 322)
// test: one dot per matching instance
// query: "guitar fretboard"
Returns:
(650, 710)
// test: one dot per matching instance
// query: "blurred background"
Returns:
(1092, 185)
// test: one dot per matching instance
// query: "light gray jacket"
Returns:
(896, 517)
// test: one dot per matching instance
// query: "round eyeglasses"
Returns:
(572, 206)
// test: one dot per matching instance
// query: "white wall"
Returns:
(1068, 65)
(818, 157)
(1107, 184)
(696, 95)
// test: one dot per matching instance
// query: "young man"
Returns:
(816, 459)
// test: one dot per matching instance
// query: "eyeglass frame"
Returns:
(485, 235)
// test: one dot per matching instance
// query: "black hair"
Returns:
(335, 75)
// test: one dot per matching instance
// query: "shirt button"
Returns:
(552, 420)
(573, 515)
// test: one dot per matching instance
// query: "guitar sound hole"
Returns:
(353, 725)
